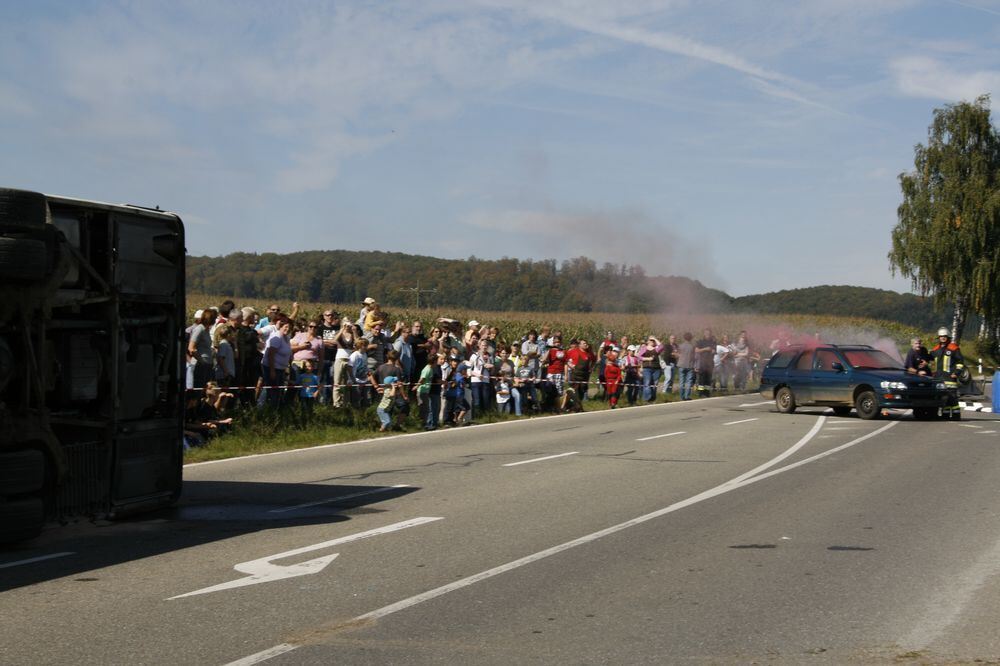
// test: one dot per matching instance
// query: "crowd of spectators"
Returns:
(449, 374)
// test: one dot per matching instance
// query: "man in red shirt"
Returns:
(555, 363)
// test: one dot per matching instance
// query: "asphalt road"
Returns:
(714, 531)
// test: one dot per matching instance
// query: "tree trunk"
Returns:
(958, 318)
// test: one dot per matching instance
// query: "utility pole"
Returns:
(416, 291)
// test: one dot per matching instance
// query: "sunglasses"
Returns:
(327, 314)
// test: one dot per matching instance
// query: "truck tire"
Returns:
(21, 209)
(22, 259)
(22, 471)
(21, 519)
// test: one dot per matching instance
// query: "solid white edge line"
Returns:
(721, 489)
(40, 558)
(757, 404)
(374, 491)
(370, 440)
(743, 421)
(534, 460)
(669, 434)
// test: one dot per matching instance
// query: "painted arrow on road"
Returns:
(263, 570)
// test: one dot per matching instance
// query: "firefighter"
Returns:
(948, 365)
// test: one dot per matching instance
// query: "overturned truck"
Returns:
(91, 393)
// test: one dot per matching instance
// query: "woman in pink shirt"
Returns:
(307, 345)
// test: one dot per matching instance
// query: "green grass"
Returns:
(270, 430)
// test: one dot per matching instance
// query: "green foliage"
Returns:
(341, 276)
(947, 239)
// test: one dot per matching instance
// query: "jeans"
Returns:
(649, 378)
(431, 403)
(384, 417)
(668, 378)
(515, 396)
(686, 381)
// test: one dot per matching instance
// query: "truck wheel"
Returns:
(784, 400)
(867, 405)
(21, 519)
(22, 259)
(21, 209)
(22, 471)
(841, 411)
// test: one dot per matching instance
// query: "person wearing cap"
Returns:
(631, 365)
(394, 402)
(473, 329)
(365, 306)
(375, 316)
(327, 330)
(948, 365)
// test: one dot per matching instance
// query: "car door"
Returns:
(830, 382)
(800, 377)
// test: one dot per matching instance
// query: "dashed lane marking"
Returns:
(534, 460)
(742, 421)
(669, 434)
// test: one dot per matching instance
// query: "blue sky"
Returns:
(753, 146)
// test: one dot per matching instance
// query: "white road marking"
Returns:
(728, 486)
(264, 655)
(262, 570)
(969, 425)
(40, 558)
(374, 491)
(669, 434)
(985, 432)
(743, 421)
(777, 459)
(757, 404)
(534, 460)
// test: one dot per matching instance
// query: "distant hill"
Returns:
(847, 301)
(576, 285)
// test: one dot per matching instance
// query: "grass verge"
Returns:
(269, 430)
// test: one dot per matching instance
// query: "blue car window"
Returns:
(781, 359)
(825, 358)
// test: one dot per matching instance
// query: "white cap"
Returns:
(632, 348)
(198, 314)
(369, 301)
(473, 323)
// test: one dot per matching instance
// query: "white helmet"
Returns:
(944, 331)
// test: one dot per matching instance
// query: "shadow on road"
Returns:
(208, 511)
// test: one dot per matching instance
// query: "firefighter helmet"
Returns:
(944, 331)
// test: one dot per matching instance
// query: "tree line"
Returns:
(575, 285)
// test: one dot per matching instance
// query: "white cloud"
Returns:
(919, 76)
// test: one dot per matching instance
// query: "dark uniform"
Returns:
(948, 362)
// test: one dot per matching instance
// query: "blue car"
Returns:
(850, 376)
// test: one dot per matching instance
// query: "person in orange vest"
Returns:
(948, 365)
